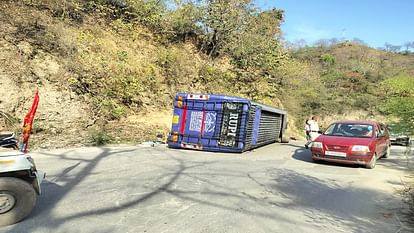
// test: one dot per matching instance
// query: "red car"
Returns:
(352, 142)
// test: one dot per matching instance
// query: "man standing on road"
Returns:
(307, 133)
(313, 130)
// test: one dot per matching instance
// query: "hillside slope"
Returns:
(98, 79)
(352, 76)
(51, 54)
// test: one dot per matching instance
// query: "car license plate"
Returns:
(335, 153)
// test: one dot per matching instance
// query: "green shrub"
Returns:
(327, 59)
(148, 12)
(122, 56)
(166, 59)
(109, 108)
(100, 138)
(209, 73)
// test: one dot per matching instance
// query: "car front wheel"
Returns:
(372, 163)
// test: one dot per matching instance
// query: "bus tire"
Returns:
(285, 138)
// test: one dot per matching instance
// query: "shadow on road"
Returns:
(401, 158)
(305, 155)
(398, 160)
(328, 204)
(53, 193)
(321, 201)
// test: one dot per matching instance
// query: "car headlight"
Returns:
(317, 145)
(358, 148)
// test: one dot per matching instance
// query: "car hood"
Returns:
(346, 141)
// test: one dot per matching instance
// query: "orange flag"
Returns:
(28, 123)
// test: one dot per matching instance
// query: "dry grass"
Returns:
(95, 74)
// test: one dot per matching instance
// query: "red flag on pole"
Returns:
(28, 123)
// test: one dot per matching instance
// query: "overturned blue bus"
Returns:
(224, 123)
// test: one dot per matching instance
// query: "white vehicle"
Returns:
(19, 182)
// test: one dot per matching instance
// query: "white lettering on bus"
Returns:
(234, 117)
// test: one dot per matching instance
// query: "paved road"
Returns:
(276, 188)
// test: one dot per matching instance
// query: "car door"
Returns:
(381, 140)
(378, 148)
(387, 141)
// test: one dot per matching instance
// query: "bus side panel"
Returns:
(266, 125)
(255, 133)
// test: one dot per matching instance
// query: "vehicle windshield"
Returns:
(350, 130)
(396, 131)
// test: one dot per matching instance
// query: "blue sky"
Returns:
(374, 22)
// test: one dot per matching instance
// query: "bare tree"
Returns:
(408, 46)
(322, 43)
(395, 48)
(387, 47)
(359, 41)
(301, 43)
(334, 41)
(296, 45)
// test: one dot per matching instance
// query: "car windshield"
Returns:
(350, 130)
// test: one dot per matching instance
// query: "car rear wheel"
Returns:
(372, 163)
(17, 199)
(387, 153)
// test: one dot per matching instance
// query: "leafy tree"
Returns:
(182, 23)
(399, 92)
(258, 45)
(147, 12)
(223, 20)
